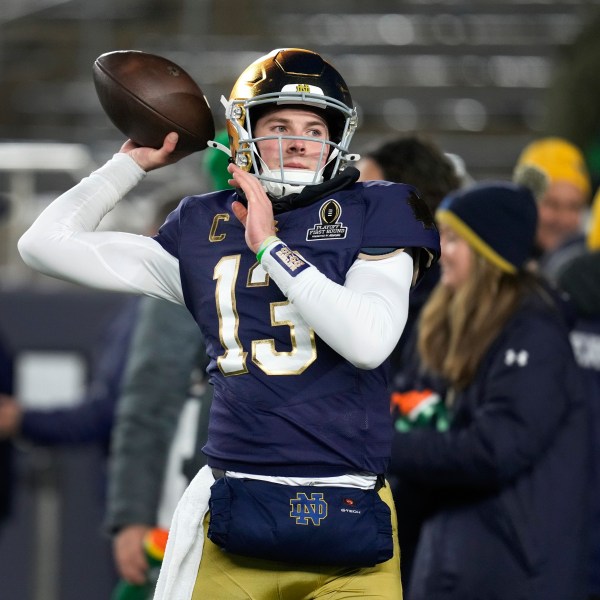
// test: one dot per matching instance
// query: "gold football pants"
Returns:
(224, 576)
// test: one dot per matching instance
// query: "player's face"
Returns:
(296, 154)
(456, 260)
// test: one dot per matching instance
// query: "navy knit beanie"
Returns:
(497, 219)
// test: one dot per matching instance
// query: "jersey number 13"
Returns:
(264, 354)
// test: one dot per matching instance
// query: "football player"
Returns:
(299, 281)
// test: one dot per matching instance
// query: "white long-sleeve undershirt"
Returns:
(361, 320)
(63, 241)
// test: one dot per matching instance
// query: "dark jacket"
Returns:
(585, 338)
(6, 449)
(91, 420)
(580, 279)
(508, 481)
(166, 346)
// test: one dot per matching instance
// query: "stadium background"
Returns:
(481, 77)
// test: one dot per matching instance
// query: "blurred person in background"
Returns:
(563, 207)
(154, 454)
(6, 449)
(580, 279)
(91, 419)
(6, 390)
(507, 475)
(164, 384)
(417, 161)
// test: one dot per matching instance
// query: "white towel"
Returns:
(186, 539)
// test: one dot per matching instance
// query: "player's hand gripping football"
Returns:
(257, 218)
(153, 158)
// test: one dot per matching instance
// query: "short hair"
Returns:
(419, 162)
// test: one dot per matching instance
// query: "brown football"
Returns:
(147, 96)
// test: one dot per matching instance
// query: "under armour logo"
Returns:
(305, 508)
(519, 358)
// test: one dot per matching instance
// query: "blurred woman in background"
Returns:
(506, 481)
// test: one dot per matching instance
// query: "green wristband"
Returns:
(263, 246)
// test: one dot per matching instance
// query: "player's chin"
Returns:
(297, 168)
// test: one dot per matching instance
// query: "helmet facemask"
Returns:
(243, 114)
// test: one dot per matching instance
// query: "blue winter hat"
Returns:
(497, 219)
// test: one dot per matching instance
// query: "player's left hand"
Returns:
(257, 218)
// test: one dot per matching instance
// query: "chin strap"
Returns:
(312, 193)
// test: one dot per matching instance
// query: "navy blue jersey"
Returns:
(284, 402)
